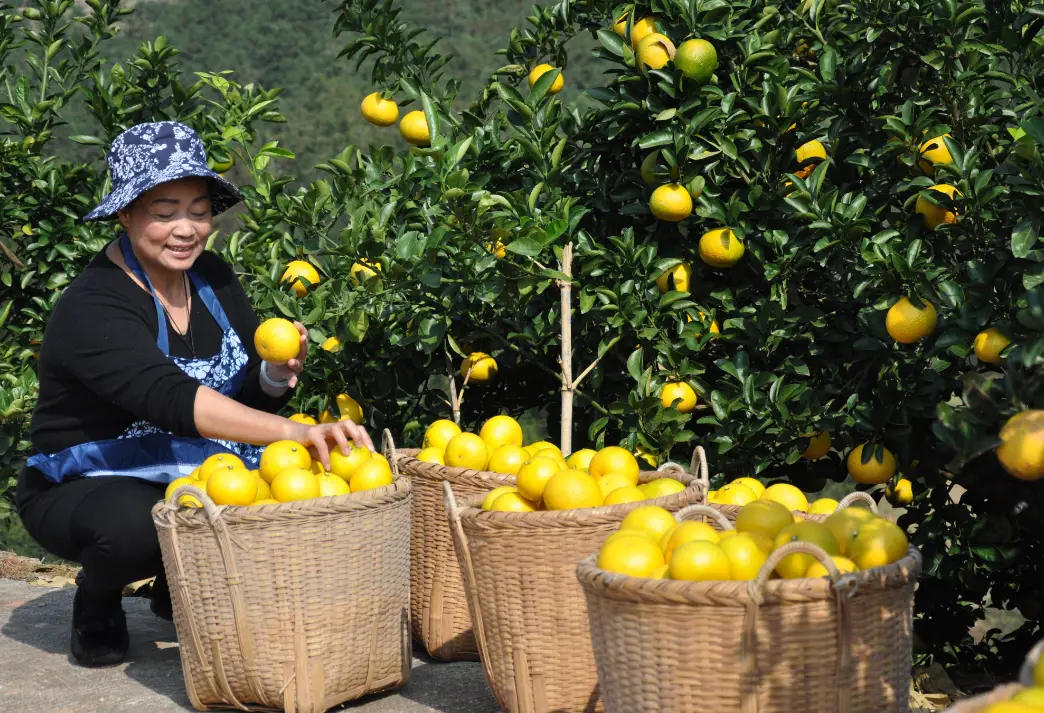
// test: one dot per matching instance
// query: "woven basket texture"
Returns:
(298, 606)
(530, 613)
(438, 605)
(833, 645)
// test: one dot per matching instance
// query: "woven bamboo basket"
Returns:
(841, 644)
(438, 605)
(978, 704)
(296, 607)
(529, 613)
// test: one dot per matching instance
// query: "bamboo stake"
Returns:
(568, 387)
(454, 404)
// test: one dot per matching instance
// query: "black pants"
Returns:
(104, 523)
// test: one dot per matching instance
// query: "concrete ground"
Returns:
(36, 675)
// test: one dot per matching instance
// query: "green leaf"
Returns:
(525, 246)
(1024, 237)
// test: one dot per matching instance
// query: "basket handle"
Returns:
(857, 496)
(388, 449)
(690, 512)
(460, 542)
(225, 539)
(697, 467)
(844, 587)
(1035, 655)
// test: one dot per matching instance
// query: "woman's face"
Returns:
(169, 224)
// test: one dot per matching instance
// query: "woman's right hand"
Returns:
(318, 437)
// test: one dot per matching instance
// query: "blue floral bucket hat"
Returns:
(146, 155)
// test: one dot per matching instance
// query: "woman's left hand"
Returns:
(292, 368)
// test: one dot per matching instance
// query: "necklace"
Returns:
(186, 336)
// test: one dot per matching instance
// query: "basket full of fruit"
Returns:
(289, 593)
(771, 612)
(1025, 696)
(518, 550)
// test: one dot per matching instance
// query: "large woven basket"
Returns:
(834, 645)
(978, 704)
(438, 605)
(529, 613)
(299, 606)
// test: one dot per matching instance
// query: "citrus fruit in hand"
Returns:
(658, 488)
(795, 565)
(570, 490)
(467, 451)
(818, 569)
(614, 459)
(379, 111)
(787, 495)
(283, 455)
(697, 59)
(492, 495)
(540, 70)
(513, 502)
(651, 519)
(483, 367)
(989, 344)
(678, 395)
(844, 524)
(373, 473)
(533, 476)
(500, 431)
(878, 469)
(298, 269)
(877, 543)
(935, 215)
(1038, 672)
(626, 494)
(295, 484)
(818, 446)
(764, 516)
(720, 248)
(277, 341)
(414, 129)
(1031, 697)
(343, 466)
(745, 556)
(432, 455)
(581, 459)
(332, 485)
(1022, 452)
(440, 433)
(700, 561)
(634, 555)
(671, 202)
(508, 459)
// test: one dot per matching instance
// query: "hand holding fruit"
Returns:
(317, 438)
(284, 346)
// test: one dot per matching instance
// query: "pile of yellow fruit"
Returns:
(286, 472)
(743, 491)
(652, 544)
(1028, 700)
(545, 479)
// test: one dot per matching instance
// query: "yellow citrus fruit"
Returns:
(901, 493)
(687, 531)
(540, 70)
(845, 525)
(374, 473)
(818, 569)
(677, 278)
(935, 215)
(626, 494)
(534, 448)
(501, 431)
(332, 485)
(764, 516)
(651, 519)
(581, 459)
(818, 446)
(679, 395)
(343, 466)
(303, 418)
(934, 153)
(432, 455)
(651, 167)
(671, 202)
(467, 451)
(492, 495)
(1038, 672)
(810, 151)
(295, 484)
(877, 543)
(533, 476)
(508, 459)
(570, 490)
(185, 500)
(745, 556)
(720, 248)
(794, 566)
(1032, 698)
(787, 495)
(655, 50)
(989, 344)
(878, 469)
(823, 506)
(1010, 707)
(661, 572)
(283, 455)
(264, 492)
(700, 561)
(734, 494)
(232, 486)
(483, 367)
(440, 433)
(1022, 450)
(661, 487)
(298, 269)
(714, 327)
(351, 410)
(641, 28)
(211, 464)
(414, 129)
(266, 501)
(614, 459)
(697, 59)
(366, 268)
(277, 341)
(754, 484)
(634, 555)
(650, 458)
(613, 481)
(317, 468)
(513, 502)
(380, 111)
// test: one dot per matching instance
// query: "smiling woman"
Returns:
(147, 368)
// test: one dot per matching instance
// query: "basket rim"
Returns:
(456, 476)
(737, 593)
(166, 516)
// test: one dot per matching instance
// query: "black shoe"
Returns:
(161, 605)
(99, 633)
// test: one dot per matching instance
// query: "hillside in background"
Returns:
(290, 44)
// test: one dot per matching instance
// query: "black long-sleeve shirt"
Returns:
(100, 369)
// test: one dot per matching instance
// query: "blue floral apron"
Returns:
(144, 450)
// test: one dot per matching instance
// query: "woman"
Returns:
(147, 368)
